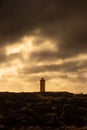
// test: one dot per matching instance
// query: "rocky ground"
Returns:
(43, 111)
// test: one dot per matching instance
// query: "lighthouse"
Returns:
(42, 85)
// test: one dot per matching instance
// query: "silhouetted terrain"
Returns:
(43, 111)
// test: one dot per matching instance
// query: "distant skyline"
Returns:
(43, 38)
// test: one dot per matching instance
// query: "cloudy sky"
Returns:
(43, 38)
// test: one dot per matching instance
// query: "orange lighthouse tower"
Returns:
(42, 85)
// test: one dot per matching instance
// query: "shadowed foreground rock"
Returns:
(43, 111)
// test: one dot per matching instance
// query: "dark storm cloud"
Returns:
(63, 21)
(1, 2)
(44, 56)
(15, 56)
(3, 56)
(65, 67)
(73, 67)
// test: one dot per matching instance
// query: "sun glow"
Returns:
(23, 46)
(8, 71)
(20, 70)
